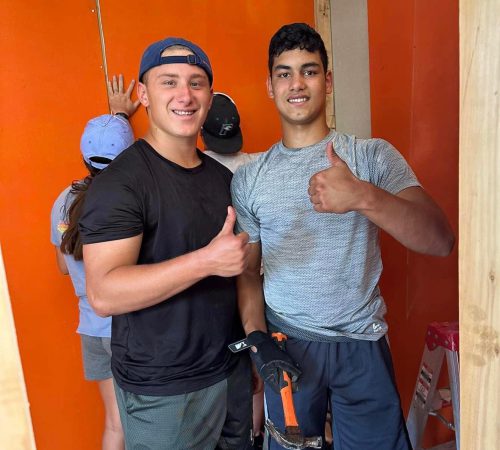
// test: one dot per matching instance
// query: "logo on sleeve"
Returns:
(62, 226)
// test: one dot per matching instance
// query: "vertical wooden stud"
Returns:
(479, 222)
(322, 17)
(16, 431)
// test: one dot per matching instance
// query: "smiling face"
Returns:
(177, 97)
(298, 84)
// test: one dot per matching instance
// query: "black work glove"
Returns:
(271, 361)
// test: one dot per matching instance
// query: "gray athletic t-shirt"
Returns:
(321, 270)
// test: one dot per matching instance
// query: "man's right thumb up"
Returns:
(228, 227)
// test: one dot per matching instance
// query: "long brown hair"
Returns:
(71, 243)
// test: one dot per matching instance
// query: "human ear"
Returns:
(329, 82)
(269, 85)
(142, 94)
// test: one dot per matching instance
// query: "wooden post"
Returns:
(324, 28)
(479, 222)
(16, 431)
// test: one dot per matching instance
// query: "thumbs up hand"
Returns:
(335, 189)
(229, 223)
(227, 253)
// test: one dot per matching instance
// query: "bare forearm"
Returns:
(116, 284)
(251, 301)
(412, 218)
(133, 287)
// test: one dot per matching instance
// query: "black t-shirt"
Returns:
(178, 345)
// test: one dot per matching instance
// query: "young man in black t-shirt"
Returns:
(160, 256)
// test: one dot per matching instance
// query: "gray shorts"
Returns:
(96, 352)
(217, 417)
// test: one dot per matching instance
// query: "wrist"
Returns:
(254, 329)
(367, 197)
(202, 262)
(122, 114)
(257, 337)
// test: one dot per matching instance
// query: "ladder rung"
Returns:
(449, 425)
(428, 399)
(442, 399)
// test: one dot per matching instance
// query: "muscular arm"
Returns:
(266, 355)
(411, 216)
(250, 293)
(116, 284)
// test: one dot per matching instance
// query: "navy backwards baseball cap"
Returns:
(152, 56)
(221, 131)
(104, 138)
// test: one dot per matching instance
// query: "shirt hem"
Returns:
(275, 323)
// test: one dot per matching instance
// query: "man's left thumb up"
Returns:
(331, 155)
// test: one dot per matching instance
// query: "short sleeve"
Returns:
(58, 222)
(388, 169)
(246, 219)
(112, 209)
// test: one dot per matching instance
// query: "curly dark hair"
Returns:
(296, 35)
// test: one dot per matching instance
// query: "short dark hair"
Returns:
(296, 35)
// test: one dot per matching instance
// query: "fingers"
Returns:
(314, 189)
(115, 84)
(244, 237)
(110, 88)
(120, 100)
(315, 200)
(130, 88)
(228, 226)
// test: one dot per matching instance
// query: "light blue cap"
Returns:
(105, 137)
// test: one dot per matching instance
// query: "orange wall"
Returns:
(414, 101)
(51, 85)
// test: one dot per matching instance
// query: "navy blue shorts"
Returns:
(357, 379)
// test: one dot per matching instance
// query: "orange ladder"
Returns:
(427, 400)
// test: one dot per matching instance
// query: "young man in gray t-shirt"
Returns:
(312, 206)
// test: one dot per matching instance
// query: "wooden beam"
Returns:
(479, 222)
(16, 431)
(322, 18)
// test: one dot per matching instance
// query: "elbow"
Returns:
(100, 307)
(445, 245)
(450, 245)
(63, 268)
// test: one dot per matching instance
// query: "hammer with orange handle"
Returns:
(292, 438)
